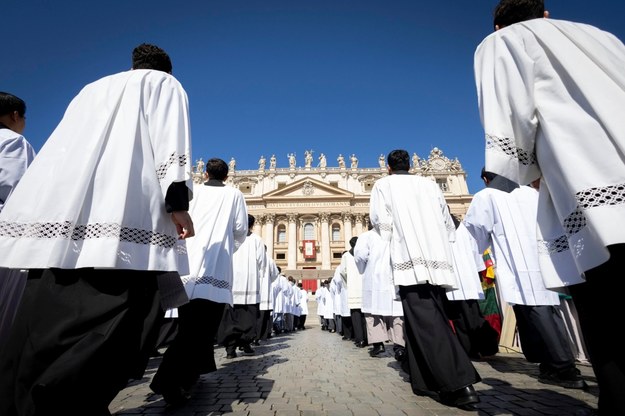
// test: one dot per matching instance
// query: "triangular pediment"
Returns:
(308, 188)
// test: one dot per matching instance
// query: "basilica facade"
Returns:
(306, 213)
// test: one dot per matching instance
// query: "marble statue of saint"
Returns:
(292, 160)
(415, 161)
(341, 161)
(261, 163)
(381, 161)
(232, 164)
(308, 158)
(354, 161)
(199, 167)
(272, 162)
(322, 161)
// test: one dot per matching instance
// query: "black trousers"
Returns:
(191, 352)
(543, 336)
(436, 360)
(238, 325)
(476, 335)
(359, 325)
(263, 327)
(598, 303)
(78, 337)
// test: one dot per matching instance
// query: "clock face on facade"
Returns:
(438, 163)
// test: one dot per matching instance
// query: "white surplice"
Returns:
(351, 281)
(468, 262)
(373, 260)
(219, 215)
(506, 222)
(551, 97)
(281, 290)
(249, 265)
(123, 140)
(418, 227)
(270, 274)
(338, 286)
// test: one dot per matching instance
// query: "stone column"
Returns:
(269, 231)
(293, 243)
(347, 228)
(325, 241)
(258, 225)
(359, 221)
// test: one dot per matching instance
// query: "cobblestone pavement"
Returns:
(314, 372)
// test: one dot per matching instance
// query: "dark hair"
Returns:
(487, 175)
(398, 160)
(250, 221)
(509, 12)
(456, 220)
(10, 103)
(352, 241)
(217, 169)
(146, 56)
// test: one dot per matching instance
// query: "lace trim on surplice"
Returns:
(65, 230)
(576, 221)
(420, 261)
(174, 159)
(507, 145)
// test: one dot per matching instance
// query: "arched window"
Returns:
(281, 233)
(336, 232)
(309, 231)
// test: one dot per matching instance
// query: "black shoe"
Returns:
(247, 349)
(361, 344)
(176, 397)
(400, 354)
(256, 342)
(378, 348)
(569, 378)
(462, 398)
(231, 354)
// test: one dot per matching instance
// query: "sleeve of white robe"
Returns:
(239, 222)
(168, 110)
(504, 75)
(479, 221)
(380, 213)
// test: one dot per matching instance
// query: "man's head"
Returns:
(12, 112)
(250, 221)
(509, 12)
(146, 56)
(398, 160)
(494, 181)
(487, 176)
(217, 169)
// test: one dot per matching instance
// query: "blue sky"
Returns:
(280, 76)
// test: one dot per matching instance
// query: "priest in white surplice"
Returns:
(351, 279)
(505, 220)
(238, 325)
(270, 274)
(384, 317)
(97, 219)
(410, 212)
(476, 335)
(551, 95)
(16, 154)
(220, 215)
